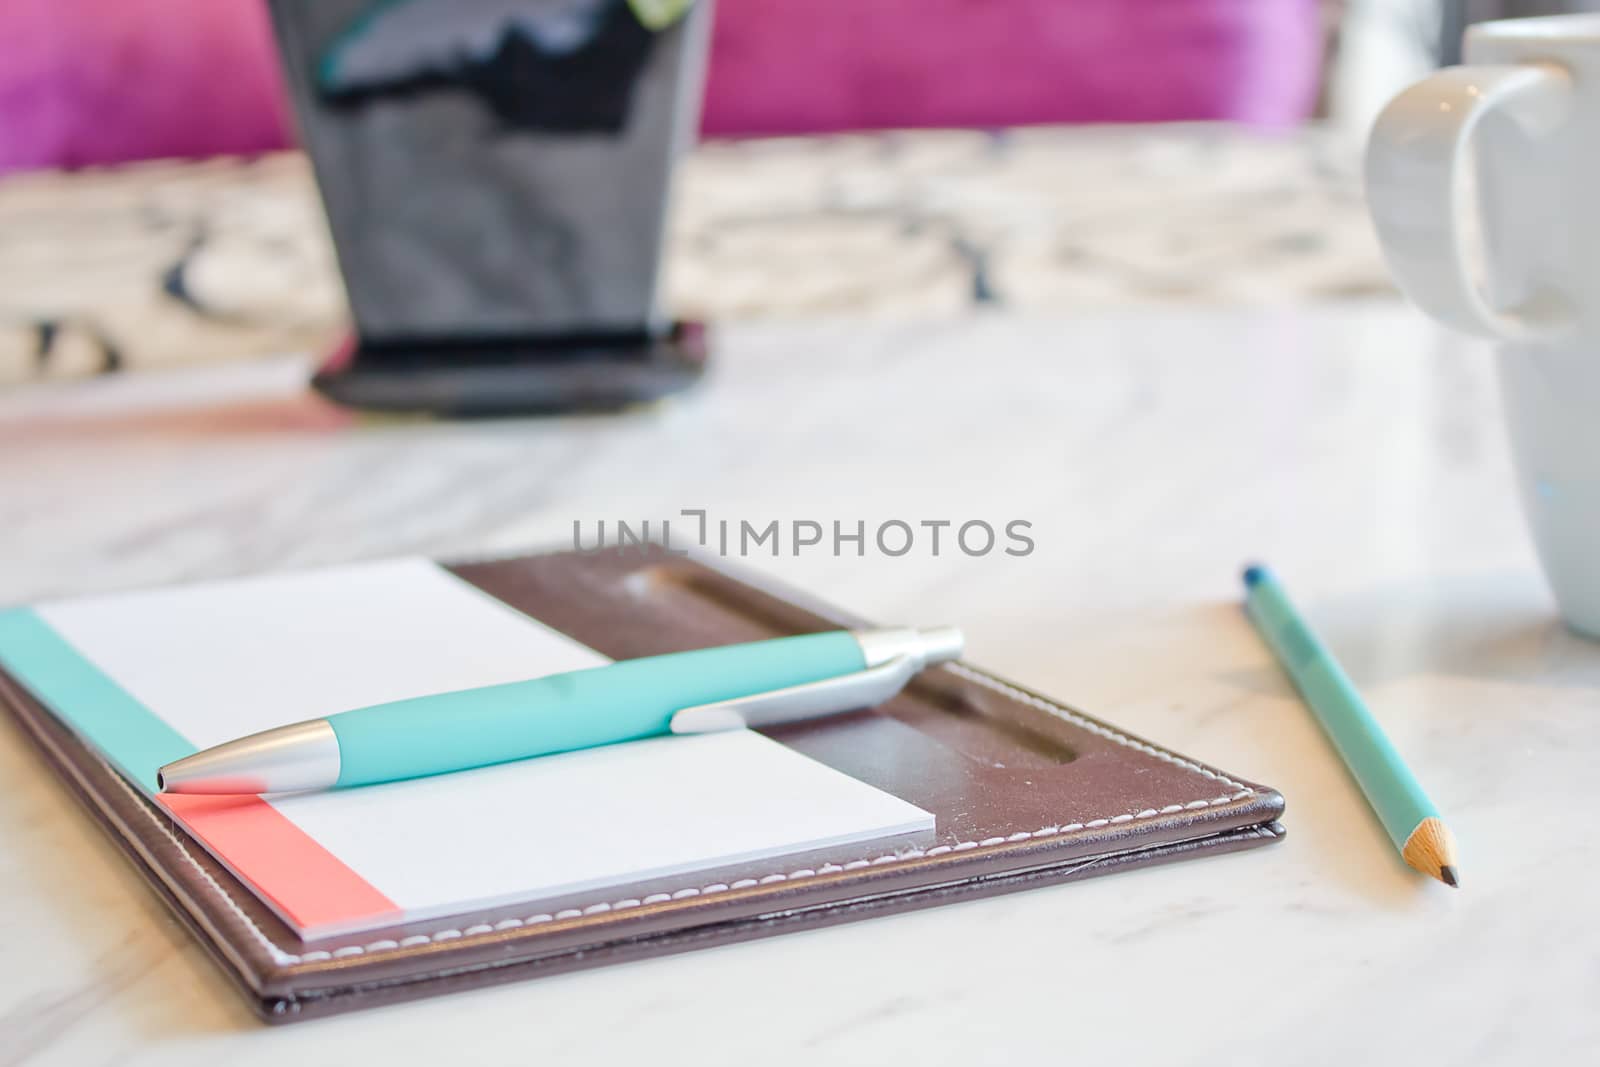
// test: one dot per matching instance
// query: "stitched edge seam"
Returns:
(1098, 729)
(389, 944)
(143, 804)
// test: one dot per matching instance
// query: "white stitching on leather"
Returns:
(387, 944)
(1082, 722)
(143, 804)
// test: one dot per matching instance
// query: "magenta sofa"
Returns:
(100, 81)
(97, 81)
(780, 66)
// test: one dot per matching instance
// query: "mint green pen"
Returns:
(762, 683)
(1408, 816)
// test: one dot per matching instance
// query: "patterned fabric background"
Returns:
(160, 264)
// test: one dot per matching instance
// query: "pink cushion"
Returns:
(782, 66)
(96, 81)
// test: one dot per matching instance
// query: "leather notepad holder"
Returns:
(1025, 792)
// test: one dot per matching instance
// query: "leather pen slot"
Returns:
(944, 708)
(965, 720)
(765, 615)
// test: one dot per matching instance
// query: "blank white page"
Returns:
(218, 660)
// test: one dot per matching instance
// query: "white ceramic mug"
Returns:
(1524, 113)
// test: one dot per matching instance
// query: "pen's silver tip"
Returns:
(286, 759)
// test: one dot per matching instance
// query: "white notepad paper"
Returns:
(219, 660)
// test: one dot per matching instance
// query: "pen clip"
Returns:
(847, 692)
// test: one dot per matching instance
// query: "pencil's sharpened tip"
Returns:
(1254, 573)
(1430, 850)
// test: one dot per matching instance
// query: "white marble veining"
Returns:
(1356, 449)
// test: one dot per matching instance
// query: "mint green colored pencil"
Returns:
(1409, 817)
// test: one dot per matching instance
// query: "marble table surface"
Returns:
(1354, 447)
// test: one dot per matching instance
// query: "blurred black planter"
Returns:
(496, 176)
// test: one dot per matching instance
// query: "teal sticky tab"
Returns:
(126, 732)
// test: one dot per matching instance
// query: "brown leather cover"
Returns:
(1025, 791)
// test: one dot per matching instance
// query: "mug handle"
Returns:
(1417, 149)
